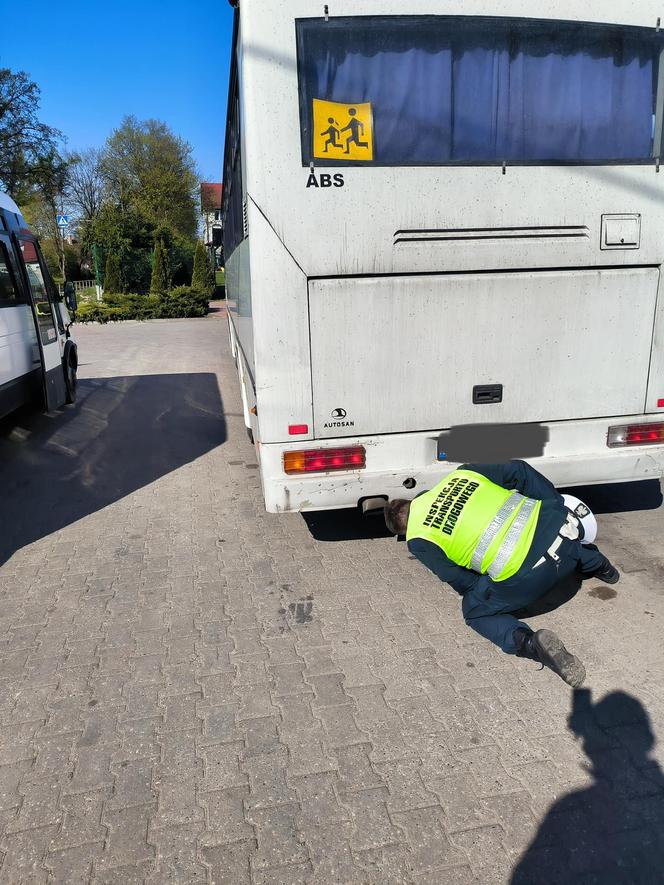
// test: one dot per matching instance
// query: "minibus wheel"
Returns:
(71, 380)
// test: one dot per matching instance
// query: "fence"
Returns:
(83, 287)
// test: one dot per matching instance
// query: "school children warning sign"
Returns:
(342, 131)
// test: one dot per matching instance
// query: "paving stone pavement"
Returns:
(193, 690)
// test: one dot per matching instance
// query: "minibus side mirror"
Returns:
(70, 298)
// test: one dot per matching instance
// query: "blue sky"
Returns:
(96, 61)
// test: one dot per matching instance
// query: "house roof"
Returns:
(210, 196)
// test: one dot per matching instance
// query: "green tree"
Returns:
(53, 259)
(27, 146)
(44, 198)
(72, 262)
(113, 273)
(127, 235)
(140, 189)
(150, 169)
(202, 278)
(159, 280)
(181, 260)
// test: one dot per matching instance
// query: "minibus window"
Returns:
(39, 291)
(8, 291)
(475, 90)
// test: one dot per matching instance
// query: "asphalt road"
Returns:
(192, 690)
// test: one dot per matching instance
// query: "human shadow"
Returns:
(613, 831)
(122, 434)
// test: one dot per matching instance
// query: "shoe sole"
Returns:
(612, 580)
(556, 657)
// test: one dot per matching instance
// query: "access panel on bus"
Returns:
(394, 354)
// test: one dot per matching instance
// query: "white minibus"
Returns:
(38, 356)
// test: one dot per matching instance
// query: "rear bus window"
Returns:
(410, 90)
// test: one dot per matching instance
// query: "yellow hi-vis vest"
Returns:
(477, 524)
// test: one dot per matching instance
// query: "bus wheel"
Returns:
(70, 379)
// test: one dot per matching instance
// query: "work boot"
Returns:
(546, 648)
(607, 573)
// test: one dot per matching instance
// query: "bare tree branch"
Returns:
(86, 185)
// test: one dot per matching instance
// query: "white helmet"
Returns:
(585, 515)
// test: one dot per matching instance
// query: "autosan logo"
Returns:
(338, 416)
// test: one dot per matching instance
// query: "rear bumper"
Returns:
(576, 454)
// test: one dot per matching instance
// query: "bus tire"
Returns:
(70, 367)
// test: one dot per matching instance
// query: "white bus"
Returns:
(38, 356)
(442, 225)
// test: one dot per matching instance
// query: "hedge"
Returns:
(180, 302)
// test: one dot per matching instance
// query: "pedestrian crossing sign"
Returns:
(342, 131)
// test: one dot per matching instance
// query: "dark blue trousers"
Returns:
(488, 608)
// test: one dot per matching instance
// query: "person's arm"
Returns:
(517, 475)
(459, 578)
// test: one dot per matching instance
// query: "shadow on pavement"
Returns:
(612, 832)
(122, 434)
(620, 497)
(345, 525)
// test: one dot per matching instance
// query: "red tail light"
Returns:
(324, 460)
(635, 435)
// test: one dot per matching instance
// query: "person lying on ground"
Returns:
(503, 537)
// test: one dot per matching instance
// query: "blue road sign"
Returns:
(62, 220)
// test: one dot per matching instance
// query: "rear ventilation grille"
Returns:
(455, 235)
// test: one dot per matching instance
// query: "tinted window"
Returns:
(481, 90)
(8, 288)
(232, 214)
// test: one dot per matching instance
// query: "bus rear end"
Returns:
(453, 234)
